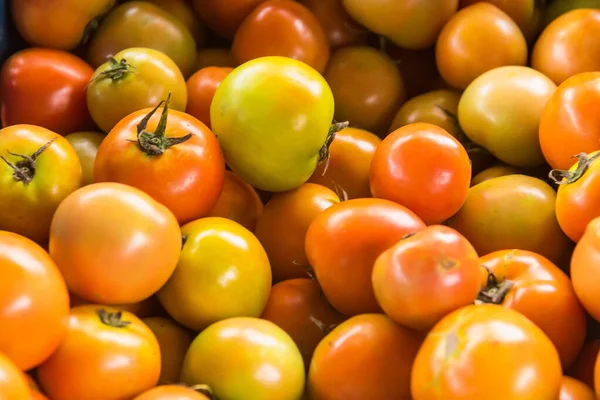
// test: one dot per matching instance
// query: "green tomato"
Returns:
(86, 146)
(245, 358)
(272, 116)
(560, 7)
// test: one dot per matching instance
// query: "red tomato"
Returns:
(224, 17)
(172, 392)
(46, 88)
(343, 242)
(13, 385)
(106, 354)
(585, 268)
(583, 367)
(282, 28)
(340, 28)
(176, 159)
(572, 389)
(201, 88)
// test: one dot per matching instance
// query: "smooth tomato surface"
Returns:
(224, 17)
(585, 271)
(184, 12)
(86, 146)
(341, 30)
(492, 172)
(572, 389)
(171, 392)
(214, 57)
(583, 367)
(13, 384)
(201, 87)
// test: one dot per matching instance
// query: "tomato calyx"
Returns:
(494, 291)
(156, 143)
(324, 151)
(564, 177)
(324, 328)
(113, 319)
(117, 70)
(24, 170)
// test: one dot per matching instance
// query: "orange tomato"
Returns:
(13, 385)
(492, 172)
(340, 28)
(213, 58)
(572, 389)
(149, 307)
(201, 87)
(172, 392)
(585, 271)
(224, 17)
(583, 367)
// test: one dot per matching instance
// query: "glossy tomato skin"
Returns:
(32, 331)
(225, 17)
(106, 354)
(148, 78)
(337, 370)
(347, 171)
(143, 24)
(55, 174)
(229, 356)
(477, 39)
(184, 12)
(569, 45)
(284, 152)
(426, 276)
(456, 355)
(13, 384)
(572, 389)
(124, 265)
(201, 87)
(86, 146)
(570, 124)
(62, 24)
(170, 392)
(343, 242)
(45, 87)
(532, 280)
(281, 28)
(584, 269)
(492, 172)
(583, 367)
(282, 227)
(406, 166)
(223, 272)
(340, 28)
(367, 87)
(214, 57)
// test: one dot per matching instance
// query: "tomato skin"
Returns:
(214, 58)
(477, 39)
(184, 12)
(570, 124)
(340, 28)
(57, 173)
(149, 79)
(223, 272)
(46, 88)
(367, 87)
(337, 368)
(426, 276)
(282, 227)
(569, 46)
(584, 271)
(343, 242)
(285, 153)
(456, 355)
(101, 360)
(406, 167)
(492, 172)
(120, 267)
(572, 389)
(171, 392)
(225, 17)
(149, 307)
(86, 146)
(13, 384)
(173, 178)
(143, 24)
(229, 355)
(583, 367)
(201, 88)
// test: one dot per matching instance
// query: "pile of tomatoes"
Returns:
(294, 200)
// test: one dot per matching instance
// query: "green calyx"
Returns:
(24, 170)
(564, 177)
(117, 70)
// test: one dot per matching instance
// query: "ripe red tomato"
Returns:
(172, 392)
(281, 28)
(224, 17)
(343, 242)
(46, 88)
(340, 28)
(174, 158)
(424, 168)
(572, 389)
(583, 367)
(585, 272)
(201, 88)
(426, 276)
(86, 146)
(338, 368)
(13, 385)
(39, 169)
(456, 356)
(106, 354)
(120, 266)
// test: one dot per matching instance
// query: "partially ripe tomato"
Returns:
(213, 57)
(492, 172)
(341, 30)
(224, 17)
(184, 12)
(583, 367)
(585, 272)
(86, 146)
(149, 307)
(172, 392)
(201, 87)
(13, 385)
(572, 389)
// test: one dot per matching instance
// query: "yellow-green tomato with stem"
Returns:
(272, 116)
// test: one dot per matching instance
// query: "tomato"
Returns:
(271, 144)
(46, 88)
(224, 17)
(242, 357)
(299, 308)
(409, 24)
(557, 8)
(173, 341)
(570, 124)
(484, 352)
(347, 171)
(121, 266)
(343, 242)
(171, 392)
(40, 169)
(106, 354)
(13, 385)
(340, 28)
(367, 87)
(501, 111)
(477, 39)
(86, 146)
(282, 227)
(426, 276)
(214, 58)
(143, 24)
(183, 11)
(492, 172)
(34, 302)
(569, 45)
(61, 24)
(337, 370)
(572, 389)
(583, 367)
(133, 79)
(584, 271)
(407, 166)
(512, 212)
(281, 28)
(201, 87)
(223, 272)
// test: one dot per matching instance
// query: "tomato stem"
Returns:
(24, 170)
(564, 177)
(112, 319)
(205, 390)
(321, 325)
(494, 291)
(324, 151)
(117, 70)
